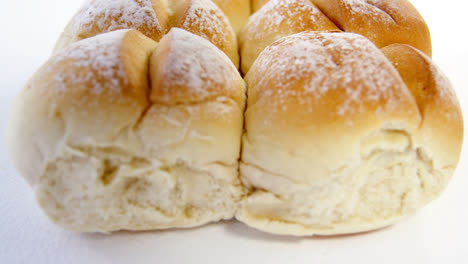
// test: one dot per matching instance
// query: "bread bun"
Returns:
(384, 22)
(336, 142)
(153, 18)
(137, 120)
(105, 152)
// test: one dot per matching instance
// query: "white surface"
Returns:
(436, 234)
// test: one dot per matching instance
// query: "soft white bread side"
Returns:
(105, 148)
(153, 18)
(335, 141)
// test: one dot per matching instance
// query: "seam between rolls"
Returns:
(241, 145)
(220, 163)
(148, 91)
(328, 17)
(207, 99)
(263, 170)
(251, 4)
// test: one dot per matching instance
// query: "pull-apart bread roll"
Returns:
(337, 141)
(120, 132)
(153, 18)
(383, 22)
(137, 120)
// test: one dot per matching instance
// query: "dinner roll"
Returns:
(138, 121)
(119, 132)
(337, 141)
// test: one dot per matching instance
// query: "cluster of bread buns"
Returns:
(141, 118)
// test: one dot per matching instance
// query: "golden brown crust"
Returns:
(185, 73)
(88, 82)
(97, 17)
(312, 75)
(279, 18)
(153, 18)
(384, 22)
(205, 19)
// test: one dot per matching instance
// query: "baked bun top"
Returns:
(153, 18)
(384, 22)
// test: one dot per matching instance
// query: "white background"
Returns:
(436, 234)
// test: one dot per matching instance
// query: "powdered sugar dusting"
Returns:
(110, 15)
(371, 8)
(357, 6)
(377, 4)
(362, 6)
(197, 67)
(88, 62)
(208, 20)
(293, 14)
(318, 63)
